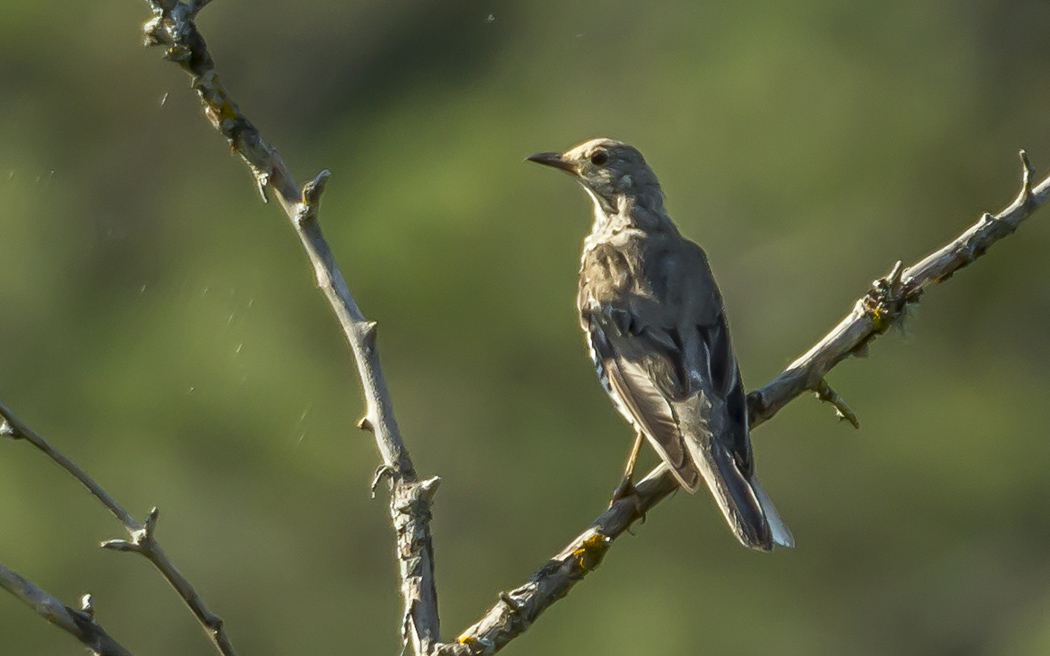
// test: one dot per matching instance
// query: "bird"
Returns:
(655, 326)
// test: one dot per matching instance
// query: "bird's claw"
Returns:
(624, 490)
(627, 490)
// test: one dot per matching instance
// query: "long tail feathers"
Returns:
(781, 534)
(748, 510)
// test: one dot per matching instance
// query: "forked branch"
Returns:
(882, 307)
(876, 312)
(141, 534)
(173, 27)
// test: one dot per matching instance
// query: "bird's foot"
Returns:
(623, 490)
(626, 490)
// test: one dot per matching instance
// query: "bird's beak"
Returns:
(557, 160)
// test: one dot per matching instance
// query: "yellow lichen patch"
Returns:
(880, 315)
(466, 639)
(590, 552)
(224, 110)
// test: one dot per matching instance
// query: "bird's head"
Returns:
(611, 171)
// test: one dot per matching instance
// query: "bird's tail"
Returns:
(747, 508)
(781, 534)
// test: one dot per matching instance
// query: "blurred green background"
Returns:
(159, 324)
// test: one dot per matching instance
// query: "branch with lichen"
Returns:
(173, 28)
(888, 301)
(141, 534)
(881, 308)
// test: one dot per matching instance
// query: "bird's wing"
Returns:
(636, 382)
(722, 384)
(693, 319)
(632, 302)
(659, 337)
(713, 412)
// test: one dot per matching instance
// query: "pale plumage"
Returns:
(656, 329)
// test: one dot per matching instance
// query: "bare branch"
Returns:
(141, 533)
(17, 429)
(882, 307)
(874, 314)
(80, 624)
(519, 608)
(173, 27)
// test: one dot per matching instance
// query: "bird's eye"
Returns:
(600, 158)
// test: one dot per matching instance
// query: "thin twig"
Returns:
(142, 540)
(828, 395)
(80, 623)
(17, 429)
(881, 308)
(173, 28)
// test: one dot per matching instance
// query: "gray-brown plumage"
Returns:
(656, 328)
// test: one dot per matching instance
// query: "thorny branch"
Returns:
(875, 313)
(141, 534)
(173, 27)
(881, 308)
(888, 299)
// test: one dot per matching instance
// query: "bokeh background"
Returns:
(159, 323)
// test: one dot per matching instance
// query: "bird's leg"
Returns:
(626, 486)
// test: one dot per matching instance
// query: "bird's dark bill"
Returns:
(557, 160)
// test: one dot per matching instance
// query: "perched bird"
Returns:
(656, 329)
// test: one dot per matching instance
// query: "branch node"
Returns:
(215, 624)
(7, 430)
(824, 392)
(885, 302)
(514, 606)
(87, 605)
(428, 488)
(141, 537)
(262, 180)
(382, 471)
(368, 334)
(894, 278)
(151, 29)
(151, 524)
(313, 189)
(120, 545)
(1027, 174)
(365, 424)
(310, 198)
